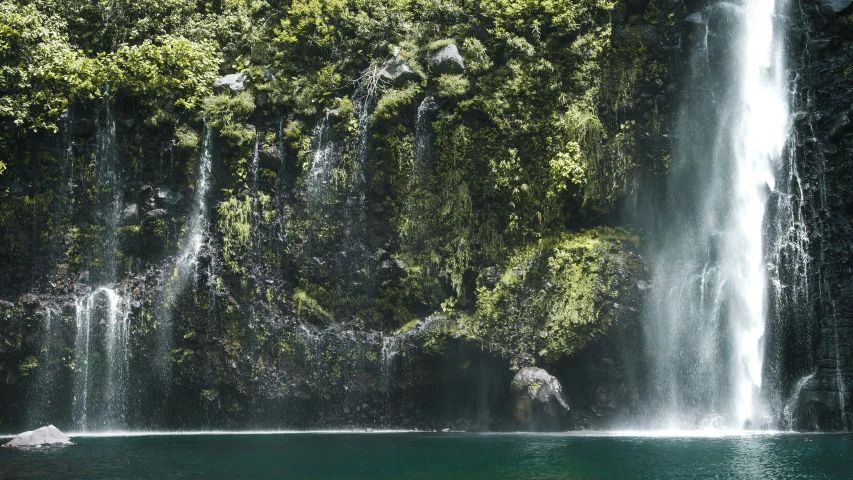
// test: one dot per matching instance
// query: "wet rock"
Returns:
(130, 214)
(156, 213)
(536, 392)
(616, 16)
(840, 126)
(234, 82)
(695, 19)
(270, 157)
(818, 44)
(832, 7)
(446, 60)
(637, 6)
(168, 197)
(83, 127)
(43, 436)
(490, 276)
(397, 73)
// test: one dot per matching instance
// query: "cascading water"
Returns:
(197, 225)
(705, 320)
(110, 197)
(100, 379)
(325, 155)
(184, 272)
(354, 265)
(101, 347)
(44, 402)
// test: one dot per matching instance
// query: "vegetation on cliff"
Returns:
(504, 162)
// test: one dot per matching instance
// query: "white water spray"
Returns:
(706, 324)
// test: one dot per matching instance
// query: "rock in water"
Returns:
(535, 391)
(48, 435)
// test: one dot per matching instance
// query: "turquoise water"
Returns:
(437, 455)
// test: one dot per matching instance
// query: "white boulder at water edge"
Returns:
(43, 436)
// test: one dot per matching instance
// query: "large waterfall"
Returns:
(705, 322)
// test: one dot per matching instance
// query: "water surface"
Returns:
(438, 455)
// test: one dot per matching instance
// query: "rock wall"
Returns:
(825, 156)
(357, 307)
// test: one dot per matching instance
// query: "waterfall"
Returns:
(281, 190)
(256, 204)
(706, 316)
(354, 264)
(110, 195)
(325, 155)
(197, 225)
(102, 331)
(45, 392)
(790, 408)
(184, 272)
(100, 379)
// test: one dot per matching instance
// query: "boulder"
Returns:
(833, 6)
(48, 435)
(168, 197)
(823, 11)
(446, 60)
(536, 392)
(156, 213)
(234, 82)
(271, 157)
(397, 73)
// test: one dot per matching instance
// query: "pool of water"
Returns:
(437, 455)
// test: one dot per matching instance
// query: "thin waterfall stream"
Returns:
(183, 274)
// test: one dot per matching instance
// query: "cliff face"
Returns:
(373, 226)
(825, 157)
(396, 217)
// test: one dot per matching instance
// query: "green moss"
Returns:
(28, 365)
(186, 137)
(406, 327)
(228, 114)
(554, 297)
(307, 307)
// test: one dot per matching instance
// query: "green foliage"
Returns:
(449, 86)
(393, 101)
(228, 114)
(170, 66)
(39, 70)
(235, 228)
(555, 296)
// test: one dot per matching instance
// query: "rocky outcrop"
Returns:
(234, 82)
(40, 437)
(823, 335)
(446, 60)
(536, 395)
(397, 73)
